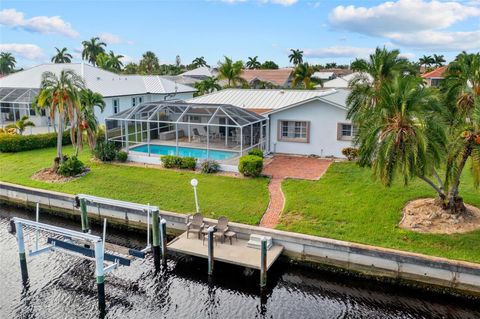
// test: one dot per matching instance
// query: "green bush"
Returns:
(209, 167)
(105, 151)
(71, 166)
(256, 151)
(122, 156)
(188, 163)
(350, 153)
(171, 161)
(250, 165)
(18, 143)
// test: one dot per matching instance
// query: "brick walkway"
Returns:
(282, 167)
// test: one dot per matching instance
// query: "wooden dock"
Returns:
(237, 254)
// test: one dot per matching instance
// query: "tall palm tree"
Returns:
(92, 48)
(149, 63)
(131, 68)
(253, 63)
(209, 85)
(438, 60)
(231, 71)
(302, 74)
(7, 63)
(426, 61)
(199, 62)
(115, 61)
(296, 57)
(61, 95)
(89, 100)
(21, 124)
(62, 56)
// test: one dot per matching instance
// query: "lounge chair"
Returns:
(197, 135)
(196, 225)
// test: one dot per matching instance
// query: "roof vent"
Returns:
(282, 91)
(98, 78)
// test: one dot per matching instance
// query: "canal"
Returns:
(63, 286)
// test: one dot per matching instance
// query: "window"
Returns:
(294, 131)
(134, 101)
(140, 99)
(32, 111)
(346, 131)
(116, 106)
(436, 82)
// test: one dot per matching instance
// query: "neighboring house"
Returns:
(18, 90)
(342, 82)
(324, 75)
(435, 77)
(281, 78)
(304, 122)
(193, 76)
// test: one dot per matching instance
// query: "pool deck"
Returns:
(237, 254)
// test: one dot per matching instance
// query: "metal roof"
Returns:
(342, 82)
(98, 80)
(202, 71)
(261, 99)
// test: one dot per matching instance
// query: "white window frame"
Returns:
(292, 129)
(116, 106)
(341, 130)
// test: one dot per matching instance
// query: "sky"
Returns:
(326, 30)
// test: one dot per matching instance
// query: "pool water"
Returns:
(185, 151)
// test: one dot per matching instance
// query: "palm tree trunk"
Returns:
(59, 158)
(440, 192)
(455, 202)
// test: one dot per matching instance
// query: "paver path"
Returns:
(282, 167)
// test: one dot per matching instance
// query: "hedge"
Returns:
(250, 165)
(19, 143)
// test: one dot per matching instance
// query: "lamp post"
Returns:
(194, 184)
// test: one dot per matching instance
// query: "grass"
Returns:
(346, 204)
(241, 200)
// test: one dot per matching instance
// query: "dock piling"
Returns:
(21, 251)
(211, 230)
(99, 271)
(37, 217)
(163, 239)
(84, 215)
(263, 263)
(156, 239)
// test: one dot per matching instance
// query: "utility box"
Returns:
(256, 241)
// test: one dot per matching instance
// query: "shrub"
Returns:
(350, 153)
(250, 165)
(209, 167)
(188, 163)
(256, 151)
(105, 151)
(71, 166)
(122, 156)
(18, 143)
(171, 161)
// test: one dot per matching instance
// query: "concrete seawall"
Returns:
(440, 273)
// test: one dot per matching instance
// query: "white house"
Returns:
(120, 92)
(304, 122)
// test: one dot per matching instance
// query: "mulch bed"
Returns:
(49, 175)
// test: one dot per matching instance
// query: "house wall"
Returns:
(323, 118)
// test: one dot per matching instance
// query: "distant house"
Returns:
(343, 82)
(324, 75)
(280, 78)
(18, 90)
(304, 122)
(435, 77)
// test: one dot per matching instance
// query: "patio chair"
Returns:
(222, 228)
(197, 135)
(196, 225)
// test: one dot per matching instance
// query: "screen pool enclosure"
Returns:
(205, 131)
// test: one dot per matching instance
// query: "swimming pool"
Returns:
(185, 151)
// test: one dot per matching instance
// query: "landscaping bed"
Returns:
(346, 204)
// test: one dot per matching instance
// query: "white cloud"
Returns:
(42, 24)
(401, 16)
(110, 38)
(435, 40)
(28, 51)
(338, 52)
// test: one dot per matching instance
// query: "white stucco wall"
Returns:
(323, 120)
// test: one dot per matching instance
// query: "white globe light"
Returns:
(194, 182)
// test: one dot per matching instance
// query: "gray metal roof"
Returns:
(98, 80)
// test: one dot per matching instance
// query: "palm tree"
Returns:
(296, 57)
(302, 74)
(21, 124)
(92, 48)
(61, 95)
(209, 85)
(253, 63)
(199, 62)
(269, 65)
(426, 61)
(149, 63)
(89, 123)
(230, 71)
(115, 62)
(438, 60)
(7, 63)
(130, 68)
(62, 56)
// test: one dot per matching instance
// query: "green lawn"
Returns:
(346, 204)
(241, 200)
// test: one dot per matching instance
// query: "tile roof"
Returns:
(437, 73)
(98, 80)
(278, 77)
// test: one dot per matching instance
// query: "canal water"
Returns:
(63, 286)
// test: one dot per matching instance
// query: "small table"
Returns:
(229, 234)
